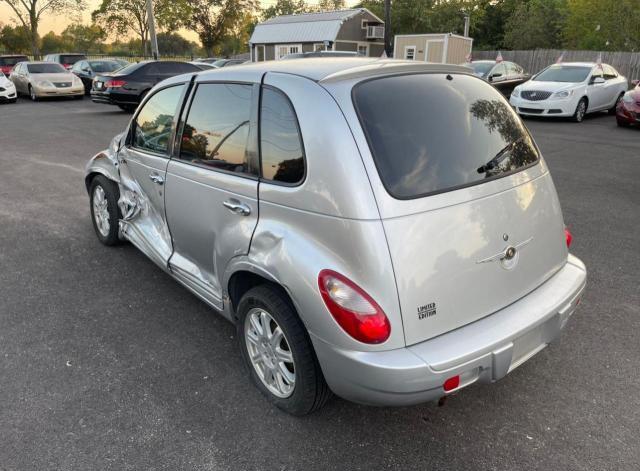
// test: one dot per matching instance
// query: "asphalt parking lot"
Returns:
(107, 363)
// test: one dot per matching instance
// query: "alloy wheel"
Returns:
(269, 352)
(101, 211)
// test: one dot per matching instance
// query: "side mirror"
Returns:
(597, 80)
(86, 69)
(493, 76)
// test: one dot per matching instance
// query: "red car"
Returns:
(628, 109)
(7, 62)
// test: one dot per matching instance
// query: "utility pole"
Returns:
(467, 19)
(387, 28)
(152, 30)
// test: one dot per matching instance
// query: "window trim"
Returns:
(304, 152)
(444, 190)
(174, 122)
(288, 45)
(410, 48)
(252, 140)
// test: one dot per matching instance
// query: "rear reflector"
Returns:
(451, 383)
(568, 237)
(353, 309)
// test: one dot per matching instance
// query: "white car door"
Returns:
(612, 85)
(597, 91)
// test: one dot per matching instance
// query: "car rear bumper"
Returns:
(110, 98)
(483, 351)
(549, 108)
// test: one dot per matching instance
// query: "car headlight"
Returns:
(563, 94)
(628, 97)
(516, 92)
(44, 83)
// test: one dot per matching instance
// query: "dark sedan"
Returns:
(86, 70)
(628, 108)
(127, 87)
(505, 76)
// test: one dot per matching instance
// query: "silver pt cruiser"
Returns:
(381, 229)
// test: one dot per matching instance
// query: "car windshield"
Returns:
(563, 73)
(431, 133)
(12, 60)
(71, 59)
(105, 66)
(482, 68)
(51, 68)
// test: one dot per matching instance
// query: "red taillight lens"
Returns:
(568, 237)
(451, 383)
(353, 309)
(115, 83)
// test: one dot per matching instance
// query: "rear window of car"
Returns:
(71, 59)
(431, 133)
(105, 66)
(13, 60)
(51, 68)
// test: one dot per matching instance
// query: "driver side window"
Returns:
(152, 128)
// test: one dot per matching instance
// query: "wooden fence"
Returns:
(627, 63)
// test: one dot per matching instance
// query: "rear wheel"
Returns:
(104, 195)
(278, 352)
(127, 108)
(581, 111)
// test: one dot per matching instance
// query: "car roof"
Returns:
(330, 69)
(13, 55)
(484, 62)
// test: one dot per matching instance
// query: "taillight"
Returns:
(353, 309)
(115, 83)
(568, 237)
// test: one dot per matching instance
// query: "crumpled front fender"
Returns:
(104, 163)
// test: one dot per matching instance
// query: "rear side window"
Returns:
(216, 131)
(153, 124)
(280, 141)
(431, 133)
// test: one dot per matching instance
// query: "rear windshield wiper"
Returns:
(499, 157)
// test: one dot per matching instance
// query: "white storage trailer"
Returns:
(446, 48)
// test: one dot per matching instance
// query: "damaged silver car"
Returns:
(384, 230)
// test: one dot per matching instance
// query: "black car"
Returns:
(127, 87)
(505, 76)
(86, 70)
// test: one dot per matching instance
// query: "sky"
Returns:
(58, 23)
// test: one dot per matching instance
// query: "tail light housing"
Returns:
(115, 83)
(353, 309)
(568, 237)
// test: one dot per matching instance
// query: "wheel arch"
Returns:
(101, 164)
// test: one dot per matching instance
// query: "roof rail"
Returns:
(392, 66)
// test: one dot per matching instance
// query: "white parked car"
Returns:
(570, 89)
(7, 90)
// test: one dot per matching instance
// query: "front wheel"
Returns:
(612, 110)
(278, 352)
(581, 110)
(32, 94)
(104, 195)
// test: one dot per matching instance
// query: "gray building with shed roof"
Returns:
(357, 30)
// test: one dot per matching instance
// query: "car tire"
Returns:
(271, 372)
(127, 108)
(612, 111)
(581, 110)
(622, 124)
(105, 214)
(32, 94)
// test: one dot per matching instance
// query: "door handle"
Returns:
(237, 207)
(156, 179)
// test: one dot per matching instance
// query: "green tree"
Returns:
(85, 38)
(174, 44)
(285, 7)
(329, 5)
(215, 20)
(610, 25)
(536, 24)
(15, 39)
(30, 12)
